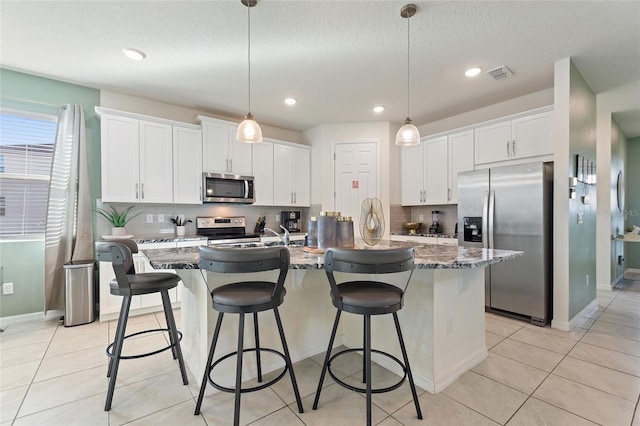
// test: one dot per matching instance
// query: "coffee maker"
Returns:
(290, 220)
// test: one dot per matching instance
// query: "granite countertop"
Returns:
(425, 234)
(426, 256)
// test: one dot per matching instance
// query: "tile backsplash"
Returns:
(139, 226)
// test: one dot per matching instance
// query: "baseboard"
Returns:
(434, 385)
(631, 274)
(457, 370)
(50, 315)
(590, 307)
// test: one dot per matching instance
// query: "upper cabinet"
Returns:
(430, 170)
(263, 173)
(514, 139)
(291, 175)
(460, 149)
(147, 160)
(136, 160)
(187, 165)
(221, 152)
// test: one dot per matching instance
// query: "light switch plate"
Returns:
(580, 218)
(149, 218)
(160, 218)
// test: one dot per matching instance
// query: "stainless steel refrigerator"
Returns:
(511, 207)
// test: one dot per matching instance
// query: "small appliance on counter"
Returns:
(290, 220)
(435, 223)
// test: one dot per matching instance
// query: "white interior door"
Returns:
(355, 176)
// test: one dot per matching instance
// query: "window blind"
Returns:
(26, 151)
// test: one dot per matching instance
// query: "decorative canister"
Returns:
(327, 237)
(345, 232)
(312, 235)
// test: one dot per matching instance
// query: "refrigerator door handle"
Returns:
(492, 204)
(485, 220)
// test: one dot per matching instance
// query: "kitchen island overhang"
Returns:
(443, 317)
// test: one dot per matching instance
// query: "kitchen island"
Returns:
(442, 320)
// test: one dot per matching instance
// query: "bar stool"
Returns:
(242, 298)
(368, 297)
(127, 284)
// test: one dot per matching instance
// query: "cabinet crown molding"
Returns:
(108, 111)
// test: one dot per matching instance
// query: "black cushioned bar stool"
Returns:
(128, 284)
(243, 298)
(368, 297)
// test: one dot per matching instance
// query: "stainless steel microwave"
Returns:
(227, 188)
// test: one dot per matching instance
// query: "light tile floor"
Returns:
(52, 375)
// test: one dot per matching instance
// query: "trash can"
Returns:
(79, 293)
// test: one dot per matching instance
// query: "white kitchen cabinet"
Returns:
(263, 173)
(291, 175)
(460, 150)
(221, 152)
(513, 139)
(436, 153)
(120, 153)
(430, 170)
(156, 162)
(187, 165)
(136, 161)
(413, 175)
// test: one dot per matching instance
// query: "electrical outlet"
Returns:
(7, 288)
(277, 218)
(580, 218)
(449, 326)
(587, 280)
(149, 218)
(421, 218)
(160, 218)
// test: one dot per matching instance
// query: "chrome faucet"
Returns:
(284, 237)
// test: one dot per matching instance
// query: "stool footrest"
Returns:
(110, 354)
(254, 388)
(364, 390)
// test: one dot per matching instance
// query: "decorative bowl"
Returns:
(412, 227)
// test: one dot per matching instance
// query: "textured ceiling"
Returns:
(338, 58)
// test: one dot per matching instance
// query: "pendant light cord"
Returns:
(408, 63)
(249, 50)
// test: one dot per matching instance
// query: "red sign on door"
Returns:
(355, 184)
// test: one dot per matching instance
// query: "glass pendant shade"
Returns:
(408, 134)
(249, 131)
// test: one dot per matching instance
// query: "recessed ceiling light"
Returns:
(472, 72)
(378, 109)
(290, 101)
(134, 54)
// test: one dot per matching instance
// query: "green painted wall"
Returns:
(23, 261)
(632, 200)
(582, 237)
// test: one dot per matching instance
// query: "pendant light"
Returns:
(408, 134)
(249, 131)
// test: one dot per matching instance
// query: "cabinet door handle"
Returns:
(295, 198)
(200, 193)
(508, 152)
(226, 165)
(142, 191)
(448, 194)
(513, 148)
(291, 198)
(230, 164)
(137, 197)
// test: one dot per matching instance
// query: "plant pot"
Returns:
(118, 231)
(180, 230)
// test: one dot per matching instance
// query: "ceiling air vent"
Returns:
(500, 73)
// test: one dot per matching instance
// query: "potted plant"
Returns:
(181, 224)
(117, 219)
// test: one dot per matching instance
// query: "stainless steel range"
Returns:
(225, 230)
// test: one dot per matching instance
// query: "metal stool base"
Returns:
(254, 388)
(110, 354)
(364, 390)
